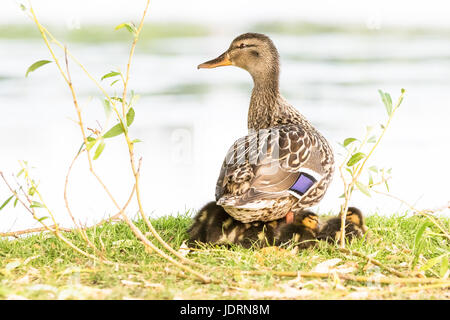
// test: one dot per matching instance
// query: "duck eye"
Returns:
(242, 45)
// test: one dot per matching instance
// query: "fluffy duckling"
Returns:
(213, 224)
(209, 218)
(354, 226)
(302, 231)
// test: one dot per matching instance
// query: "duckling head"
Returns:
(355, 216)
(307, 219)
(254, 52)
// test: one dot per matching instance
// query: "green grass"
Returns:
(43, 267)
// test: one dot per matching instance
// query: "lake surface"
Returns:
(188, 118)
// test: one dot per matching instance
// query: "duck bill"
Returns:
(220, 61)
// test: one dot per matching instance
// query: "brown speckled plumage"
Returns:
(259, 168)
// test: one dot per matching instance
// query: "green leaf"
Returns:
(419, 233)
(117, 99)
(20, 173)
(99, 149)
(6, 202)
(42, 219)
(389, 99)
(91, 143)
(114, 131)
(110, 74)
(432, 262)
(136, 140)
(31, 191)
(36, 65)
(15, 202)
(112, 83)
(444, 266)
(370, 179)
(387, 186)
(348, 141)
(355, 159)
(130, 116)
(107, 107)
(363, 188)
(23, 7)
(372, 139)
(386, 98)
(127, 25)
(373, 168)
(36, 204)
(134, 98)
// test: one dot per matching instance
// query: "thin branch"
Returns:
(373, 261)
(16, 234)
(130, 57)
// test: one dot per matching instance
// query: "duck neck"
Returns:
(264, 103)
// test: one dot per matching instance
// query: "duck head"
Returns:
(307, 219)
(355, 216)
(254, 52)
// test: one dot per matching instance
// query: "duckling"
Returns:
(207, 224)
(214, 225)
(284, 164)
(354, 226)
(303, 230)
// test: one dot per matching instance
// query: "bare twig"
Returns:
(373, 261)
(18, 233)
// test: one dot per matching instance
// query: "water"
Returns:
(187, 118)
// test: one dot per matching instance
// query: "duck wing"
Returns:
(270, 164)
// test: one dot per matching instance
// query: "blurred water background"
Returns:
(334, 58)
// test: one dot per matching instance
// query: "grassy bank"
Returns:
(42, 267)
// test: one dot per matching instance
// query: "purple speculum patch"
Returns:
(303, 183)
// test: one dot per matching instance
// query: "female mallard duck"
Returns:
(284, 164)
(213, 225)
(303, 231)
(354, 226)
